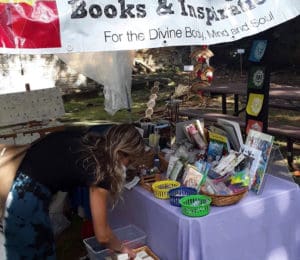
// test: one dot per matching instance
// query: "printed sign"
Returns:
(256, 77)
(48, 26)
(258, 50)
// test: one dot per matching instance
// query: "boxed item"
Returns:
(130, 235)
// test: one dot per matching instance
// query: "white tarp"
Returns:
(98, 25)
(111, 69)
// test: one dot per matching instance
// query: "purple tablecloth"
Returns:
(260, 227)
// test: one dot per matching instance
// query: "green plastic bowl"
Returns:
(195, 205)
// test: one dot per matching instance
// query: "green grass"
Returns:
(91, 110)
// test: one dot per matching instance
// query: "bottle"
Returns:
(196, 137)
(156, 162)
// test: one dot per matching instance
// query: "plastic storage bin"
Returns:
(130, 235)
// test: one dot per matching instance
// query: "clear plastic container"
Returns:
(130, 235)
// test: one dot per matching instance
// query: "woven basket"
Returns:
(163, 162)
(147, 181)
(225, 200)
(161, 188)
(148, 158)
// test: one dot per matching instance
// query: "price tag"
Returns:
(188, 67)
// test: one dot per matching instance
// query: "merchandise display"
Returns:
(210, 161)
(188, 179)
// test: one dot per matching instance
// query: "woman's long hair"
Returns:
(104, 154)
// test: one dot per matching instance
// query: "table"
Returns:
(260, 227)
(282, 92)
(42, 128)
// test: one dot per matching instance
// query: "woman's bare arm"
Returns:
(103, 232)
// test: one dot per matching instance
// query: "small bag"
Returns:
(11, 157)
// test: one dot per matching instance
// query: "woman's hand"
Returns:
(129, 251)
(103, 232)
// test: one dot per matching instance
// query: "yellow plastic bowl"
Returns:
(161, 188)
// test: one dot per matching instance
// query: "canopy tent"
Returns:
(79, 31)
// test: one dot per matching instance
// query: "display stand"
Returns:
(258, 87)
(278, 166)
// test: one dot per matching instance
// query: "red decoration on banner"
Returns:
(29, 26)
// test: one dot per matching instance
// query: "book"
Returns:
(219, 129)
(175, 173)
(192, 177)
(229, 132)
(195, 136)
(217, 147)
(190, 129)
(234, 132)
(200, 126)
(187, 134)
(171, 164)
(262, 142)
(228, 163)
(253, 155)
(181, 133)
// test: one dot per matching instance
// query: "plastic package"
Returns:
(132, 236)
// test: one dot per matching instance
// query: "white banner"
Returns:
(98, 25)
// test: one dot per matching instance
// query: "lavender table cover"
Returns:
(260, 227)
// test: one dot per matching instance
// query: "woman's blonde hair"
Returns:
(105, 152)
